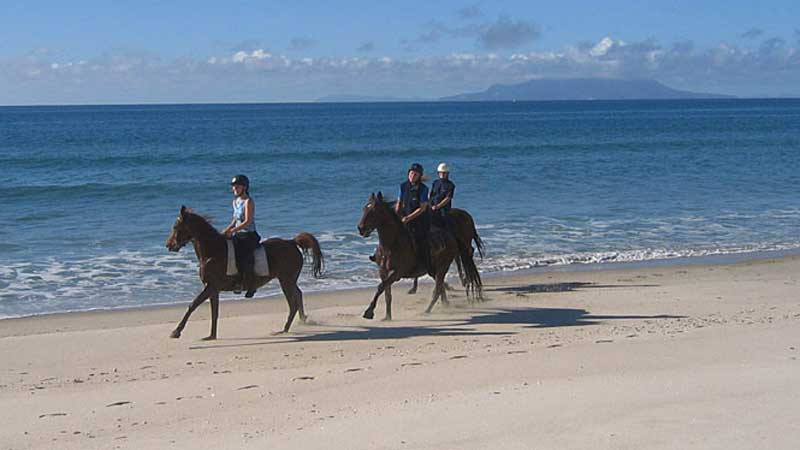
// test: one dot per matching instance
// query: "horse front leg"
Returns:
(370, 312)
(385, 284)
(201, 297)
(214, 295)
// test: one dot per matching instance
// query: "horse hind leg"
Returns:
(437, 291)
(298, 295)
(444, 299)
(288, 289)
(387, 294)
(413, 289)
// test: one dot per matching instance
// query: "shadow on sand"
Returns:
(516, 316)
(561, 287)
(548, 317)
(521, 317)
(358, 334)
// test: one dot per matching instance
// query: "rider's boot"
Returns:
(248, 281)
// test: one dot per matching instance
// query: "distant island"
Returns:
(580, 89)
(367, 99)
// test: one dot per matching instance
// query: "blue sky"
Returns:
(209, 51)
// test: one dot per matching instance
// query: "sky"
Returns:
(202, 51)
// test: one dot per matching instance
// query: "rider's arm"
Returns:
(442, 203)
(416, 213)
(230, 225)
(445, 201)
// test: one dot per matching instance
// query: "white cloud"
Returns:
(260, 75)
(245, 57)
(601, 48)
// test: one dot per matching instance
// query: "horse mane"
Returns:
(204, 227)
(389, 204)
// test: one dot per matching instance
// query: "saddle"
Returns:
(260, 265)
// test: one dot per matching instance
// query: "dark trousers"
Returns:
(245, 243)
(419, 231)
(441, 218)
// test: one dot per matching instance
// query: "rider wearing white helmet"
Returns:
(441, 197)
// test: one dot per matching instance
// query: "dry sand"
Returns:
(696, 356)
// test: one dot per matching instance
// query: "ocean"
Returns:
(88, 194)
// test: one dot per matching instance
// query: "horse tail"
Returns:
(471, 279)
(478, 240)
(469, 222)
(310, 246)
(460, 269)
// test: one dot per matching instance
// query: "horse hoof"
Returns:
(369, 314)
(210, 338)
(412, 291)
(387, 319)
(279, 332)
(175, 334)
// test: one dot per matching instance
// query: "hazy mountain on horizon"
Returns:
(580, 89)
(367, 99)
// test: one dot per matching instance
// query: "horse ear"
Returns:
(380, 195)
(183, 211)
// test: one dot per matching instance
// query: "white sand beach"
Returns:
(693, 356)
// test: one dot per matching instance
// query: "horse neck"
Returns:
(389, 231)
(208, 242)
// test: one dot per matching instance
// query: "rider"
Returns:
(243, 231)
(442, 197)
(412, 207)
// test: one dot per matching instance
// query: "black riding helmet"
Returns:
(241, 180)
(416, 167)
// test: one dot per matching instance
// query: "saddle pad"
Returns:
(261, 266)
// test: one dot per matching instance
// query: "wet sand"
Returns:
(695, 356)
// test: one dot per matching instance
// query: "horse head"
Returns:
(374, 213)
(181, 234)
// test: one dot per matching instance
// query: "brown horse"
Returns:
(397, 259)
(283, 257)
(464, 228)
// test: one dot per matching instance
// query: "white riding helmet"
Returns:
(443, 167)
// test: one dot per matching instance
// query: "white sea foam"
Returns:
(132, 279)
(511, 263)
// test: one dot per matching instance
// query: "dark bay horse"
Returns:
(397, 259)
(283, 256)
(464, 228)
